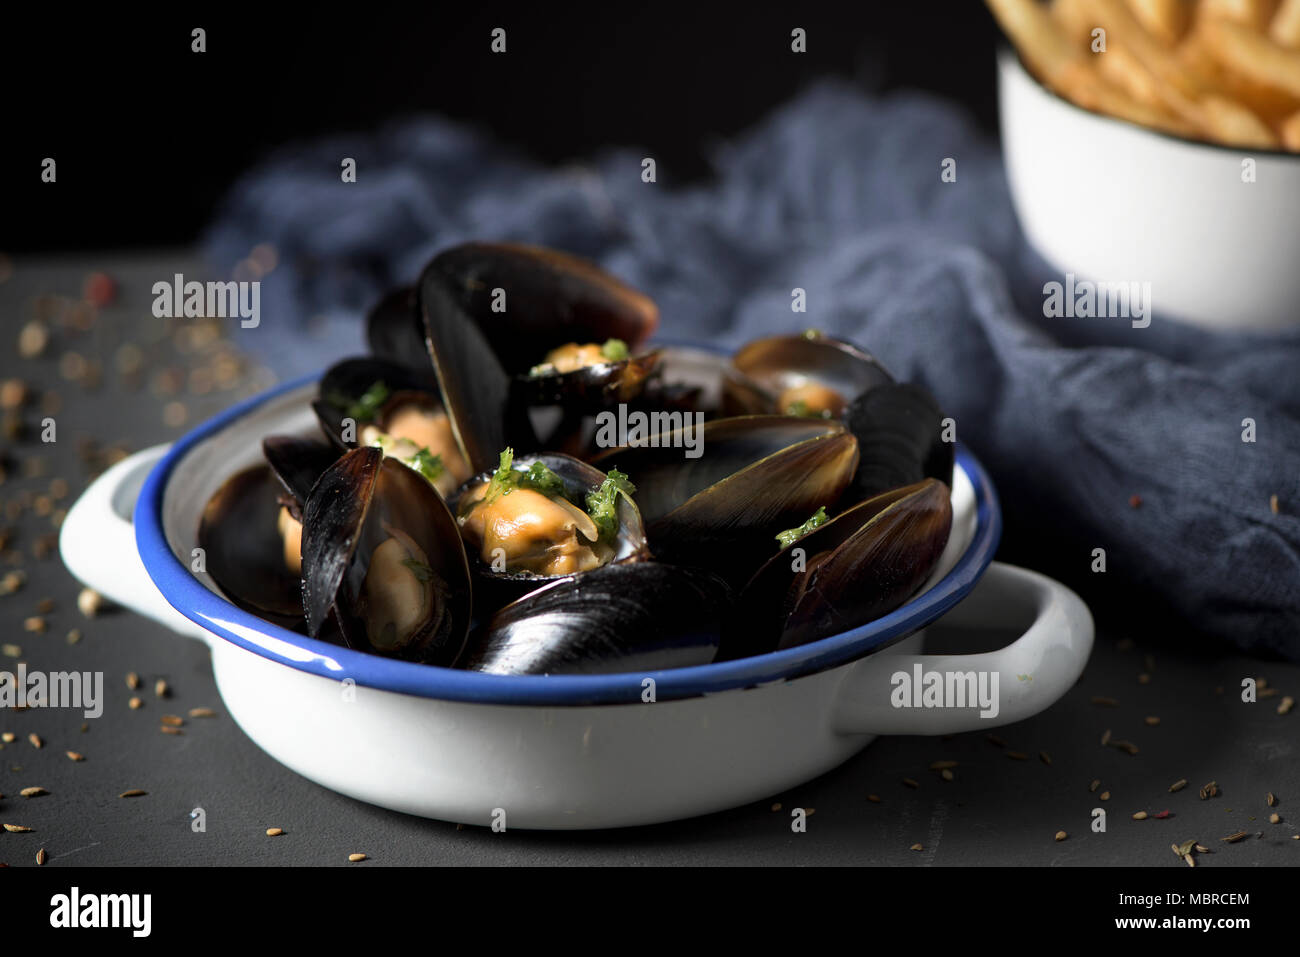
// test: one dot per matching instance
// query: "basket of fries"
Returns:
(1157, 142)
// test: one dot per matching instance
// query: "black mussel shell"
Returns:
(347, 381)
(551, 298)
(762, 371)
(589, 389)
(395, 331)
(862, 564)
(500, 587)
(754, 476)
(365, 502)
(900, 432)
(298, 463)
(243, 550)
(620, 618)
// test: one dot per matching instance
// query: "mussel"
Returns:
(753, 475)
(395, 331)
(368, 401)
(297, 463)
(810, 374)
(247, 548)
(542, 517)
(382, 554)
(832, 576)
(900, 429)
(632, 617)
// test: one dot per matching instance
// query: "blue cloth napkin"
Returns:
(1098, 435)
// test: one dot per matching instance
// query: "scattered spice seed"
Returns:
(1162, 815)
(11, 651)
(1096, 783)
(40, 857)
(1045, 757)
(34, 624)
(1135, 501)
(1272, 504)
(994, 740)
(1183, 849)
(942, 765)
(132, 680)
(45, 606)
(1202, 849)
(1151, 720)
(356, 858)
(776, 807)
(873, 798)
(7, 737)
(946, 774)
(1275, 818)
(135, 704)
(1285, 706)
(1178, 785)
(160, 689)
(1061, 836)
(1017, 756)
(74, 636)
(1234, 838)
(1140, 816)
(168, 730)
(17, 829)
(274, 831)
(133, 793)
(916, 847)
(89, 602)
(1105, 738)
(173, 720)
(910, 783)
(1105, 795)
(35, 739)
(75, 755)
(1270, 799)
(33, 792)
(202, 713)
(1103, 700)
(1191, 861)
(1128, 747)
(1210, 790)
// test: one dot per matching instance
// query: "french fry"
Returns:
(1285, 28)
(1255, 14)
(1267, 102)
(1253, 56)
(1166, 20)
(1230, 123)
(1038, 39)
(1290, 132)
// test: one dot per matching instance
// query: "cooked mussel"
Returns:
(382, 554)
(751, 477)
(809, 374)
(248, 551)
(546, 516)
(368, 401)
(635, 617)
(395, 331)
(297, 463)
(900, 430)
(835, 575)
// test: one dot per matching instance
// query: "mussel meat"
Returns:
(810, 374)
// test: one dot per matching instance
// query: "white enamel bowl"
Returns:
(1114, 202)
(556, 751)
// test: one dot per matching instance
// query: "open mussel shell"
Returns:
(751, 477)
(546, 298)
(862, 564)
(298, 463)
(346, 382)
(243, 549)
(395, 331)
(785, 375)
(591, 388)
(900, 431)
(382, 554)
(500, 586)
(620, 618)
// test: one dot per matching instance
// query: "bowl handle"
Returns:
(886, 693)
(97, 543)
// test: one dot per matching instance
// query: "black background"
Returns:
(148, 135)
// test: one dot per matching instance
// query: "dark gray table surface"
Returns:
(997, 810)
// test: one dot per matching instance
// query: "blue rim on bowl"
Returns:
(196, 602)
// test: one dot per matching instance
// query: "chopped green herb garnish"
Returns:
(797, 407)
(503, 479)
(792, 535)
(422, 572)
(539, 478)
(427, 464)
(602, 503)
(366, 407)
(615, 350)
